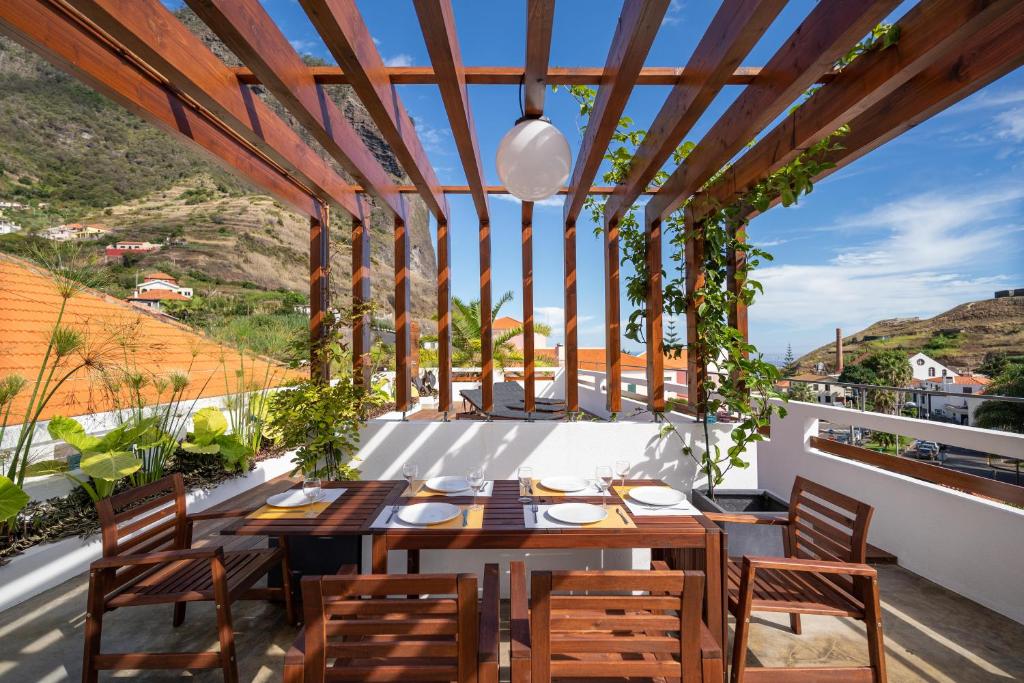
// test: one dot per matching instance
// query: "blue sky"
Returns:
(933, 219)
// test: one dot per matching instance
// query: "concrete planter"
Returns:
(44, 566)
(51, 485)
(746, 539)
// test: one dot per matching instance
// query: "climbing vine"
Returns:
(740, 381)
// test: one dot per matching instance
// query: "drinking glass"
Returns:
(476, 480)
(622, 469)
(603, 481)
(411, 473)
(311, 488)
(525, 475)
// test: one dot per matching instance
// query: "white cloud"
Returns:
(401, 59)
(674, 14)
(433, 139)
(1011, 124)
(553, 201)
(303, 46)
(928, 256)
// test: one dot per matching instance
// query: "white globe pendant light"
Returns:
(534, 159)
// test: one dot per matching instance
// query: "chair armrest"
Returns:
(799, 564)
(519, 615)
(162, 557)
(709, 647)
(488, 640)
(348, 570)
(740, 518)
(295, 659)
(659, 566)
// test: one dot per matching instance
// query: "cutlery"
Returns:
(534, 509)
(619, 510)
(529, 488)
(483, 489)
(465, 517)
(394, 509)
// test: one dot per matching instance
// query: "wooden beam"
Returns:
(79, 51)
(539, 17)
(444, 317)
(529, 363)
(638, 25)
(572, 387)
(612, 321)
(249, 32)
(319, 295)
(930, 30)
(150, 31)
(361, 272)
(734, 30)
(655, 306)
(829, 31)
(513, 75)
(344, 32)
(403, 318)
(486, 323)
(497, 189)
(437, 21)
(696, 359)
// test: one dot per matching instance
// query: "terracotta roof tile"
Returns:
(506, 323)
(159, 295)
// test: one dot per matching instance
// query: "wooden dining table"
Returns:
(686, 541)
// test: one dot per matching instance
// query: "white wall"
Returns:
(967, 544)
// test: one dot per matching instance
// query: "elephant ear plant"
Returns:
(208, 437)
(107, 459)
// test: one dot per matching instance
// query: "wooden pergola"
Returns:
(140, 55)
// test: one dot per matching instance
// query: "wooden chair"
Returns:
(355, 632)
(148, 559)
(591, 625)
(824, 572)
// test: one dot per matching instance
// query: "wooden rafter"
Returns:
(828, 32)
(249, 32)
(499, 189)
(150, 31)
(344, 32)
(71, 47)
(637, 27)
(734, 30)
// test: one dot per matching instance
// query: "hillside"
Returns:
(959, 338)
(73, 156)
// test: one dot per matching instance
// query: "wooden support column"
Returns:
(319, 291)
(529, 378)
(486, 330)
(613, 344)
(444, 318)
(696, 359)
(403, 358)
(361, 298)
(572, 386)
(655, 309)
(735, 280)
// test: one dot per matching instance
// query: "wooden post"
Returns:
(444, 318)
(655, 310)
(361, 298)
(735, 264)
(402, 314)
(572, 386)
(486, 330)
(319, 290)
(529, 379)
(696, 360)
(613, 344)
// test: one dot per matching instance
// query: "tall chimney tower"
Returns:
(839, 350)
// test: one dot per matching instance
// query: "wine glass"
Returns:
(622, 469)
(603, 481)
(411, 473)
(476, 480)
(525, 475)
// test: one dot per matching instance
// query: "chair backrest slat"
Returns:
(652, 619)
(354, 631)
(145, 519)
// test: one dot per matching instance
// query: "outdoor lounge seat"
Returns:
(824, 572)
(510, 403)
(148, 559)
(354, 632)
(594, 626)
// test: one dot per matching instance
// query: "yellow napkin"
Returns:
(271, 512)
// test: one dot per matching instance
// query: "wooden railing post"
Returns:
(444, 318)
(361, 297)
(403, 380)
(696, 358)
(486, 329)
(613, 355)
(319, 291)
(572, 386)
(655, 309)
(529, 379)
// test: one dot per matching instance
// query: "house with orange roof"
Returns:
(157, 288)
(504, 324)
(117, 251)
(955, 403)
(71, 232)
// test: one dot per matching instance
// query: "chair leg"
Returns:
(286, 584)
(225, 629)
(179, 614)
(873, 621)
(739, 645)
(794, 623)
(93, 628)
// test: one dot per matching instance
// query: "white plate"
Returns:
(447, 484)
(577, 513)
(657, 495)
(425, 514)
(292, 498)
(565, 484)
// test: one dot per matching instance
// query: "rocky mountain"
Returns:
(72, 155)
(959, 338)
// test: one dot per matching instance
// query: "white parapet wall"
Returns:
(970, 545)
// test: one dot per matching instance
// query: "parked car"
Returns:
(927, 450)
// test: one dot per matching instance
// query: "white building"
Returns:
(823, 388)
(157, 288)
(7, 227)
(925, 367)
(74, 231)
(957, 409)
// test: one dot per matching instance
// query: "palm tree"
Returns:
(466, 334)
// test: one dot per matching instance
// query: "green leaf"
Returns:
(72, 433)
(205, 449)
(234, 453)
(111, 465)
(208, 424)
(12, 499)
